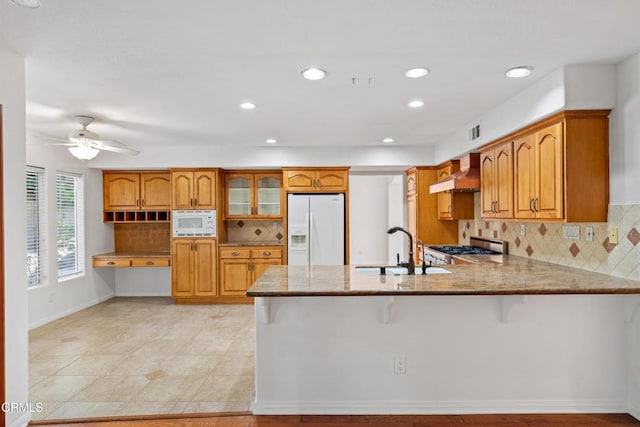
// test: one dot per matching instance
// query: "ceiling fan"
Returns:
(85, 145)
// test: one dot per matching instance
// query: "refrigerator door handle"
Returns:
(309, 236)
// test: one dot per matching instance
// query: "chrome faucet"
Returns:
(411, 265)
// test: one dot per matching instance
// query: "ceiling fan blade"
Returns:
(122, 150)
(44, 144)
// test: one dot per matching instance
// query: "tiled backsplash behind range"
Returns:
(252, 230)
(543, 241)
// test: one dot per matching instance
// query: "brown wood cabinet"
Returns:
(194, 272)
(538, 177)
(253, 195)
(139, 190)
(311, 180)
(452, 205)
(496, 180)
(422, 210)
(193, 189)
(560, 170)
(240, 266)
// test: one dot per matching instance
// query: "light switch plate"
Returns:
(613, 235)
(571, 232)
(523, 229)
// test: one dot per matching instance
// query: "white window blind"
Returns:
(70, 224)
(36, 226)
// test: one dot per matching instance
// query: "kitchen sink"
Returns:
(395, 270)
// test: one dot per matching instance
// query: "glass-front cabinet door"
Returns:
(239, 195)
(268, 192)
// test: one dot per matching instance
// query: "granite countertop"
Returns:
(487, 276)
(133, 255)
(223, 244)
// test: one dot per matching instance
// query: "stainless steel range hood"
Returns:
(466, 179)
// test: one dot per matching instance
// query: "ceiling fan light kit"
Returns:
(84, 152)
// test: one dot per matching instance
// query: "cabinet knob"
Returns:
(235, 253)
(266, 253)
(111, 263)
(149, 263)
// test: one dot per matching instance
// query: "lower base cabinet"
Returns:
(193, 272)
(241, 266)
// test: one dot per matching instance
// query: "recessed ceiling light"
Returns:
(247, 105)
(314, 73)
(33, 4)
(414, 73)
(271, 141)
(387, 140)
(416, 103)
(518, 72)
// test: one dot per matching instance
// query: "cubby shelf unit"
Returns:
(136, 216)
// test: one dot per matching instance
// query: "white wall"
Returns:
(369, 216)
(624, 125)
(397, 215)
(624, 158)
(15, 322)
(143, 282)
(557, 353)
(375, 158)
(572, 87)
(56, 299)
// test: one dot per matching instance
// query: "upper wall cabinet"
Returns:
(193, 189)
(560, 169)
(253, 195)
(136, 196)
(496, 181)
(312, 180)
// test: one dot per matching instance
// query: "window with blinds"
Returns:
(36, 226)
(70, 224)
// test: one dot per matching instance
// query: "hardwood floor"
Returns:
(243, 420)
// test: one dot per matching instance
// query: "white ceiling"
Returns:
(173, 72)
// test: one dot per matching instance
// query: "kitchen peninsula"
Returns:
(517, 336)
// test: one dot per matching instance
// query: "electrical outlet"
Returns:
(275, 225)
(523, 229)
(589, 234)
(613, 235)
(400, 365)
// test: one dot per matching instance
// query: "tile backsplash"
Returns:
(544, 241)
(255, 230)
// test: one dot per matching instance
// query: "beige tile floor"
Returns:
(131, 356)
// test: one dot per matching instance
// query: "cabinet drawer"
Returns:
(235, 253)
(112, 262)
(150, 262)
(266, 253)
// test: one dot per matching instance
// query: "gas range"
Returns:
(445, 254)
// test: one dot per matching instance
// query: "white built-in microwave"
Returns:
(194, 223)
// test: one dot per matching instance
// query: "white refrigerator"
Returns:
(315, 229)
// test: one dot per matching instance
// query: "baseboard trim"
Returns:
(70, 311)
(438, 408)
(634, 410)
(21, 421)
(142, 294)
